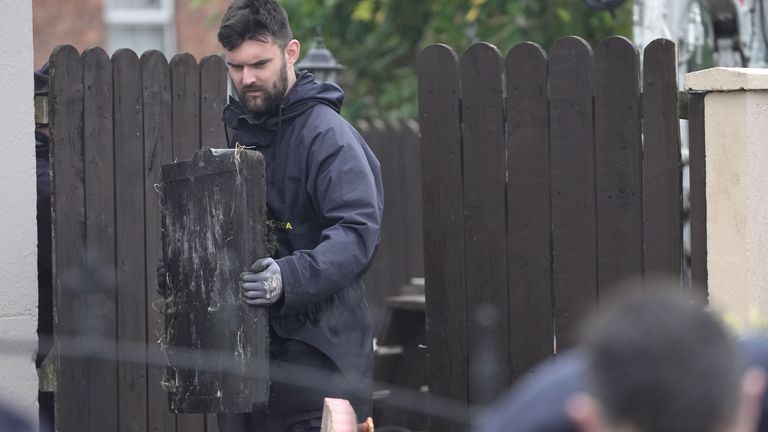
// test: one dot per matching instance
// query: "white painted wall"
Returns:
(18, 235)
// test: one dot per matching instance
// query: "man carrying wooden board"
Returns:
(324, 203)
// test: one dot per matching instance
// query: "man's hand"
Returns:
(263, 285)
(162, 279)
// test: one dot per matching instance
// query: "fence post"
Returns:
(735, 106)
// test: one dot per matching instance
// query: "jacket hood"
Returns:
(305, 93)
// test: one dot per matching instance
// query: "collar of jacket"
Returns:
(263, 130)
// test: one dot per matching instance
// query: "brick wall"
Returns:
(80, 23)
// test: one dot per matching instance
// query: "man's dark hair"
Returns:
(261, 20)
(661, 363)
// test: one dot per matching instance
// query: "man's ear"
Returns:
(584, 413)
(292, 51)
(753, 385)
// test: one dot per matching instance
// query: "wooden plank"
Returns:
(213, 98)
(528, 211)
(662, 181)
(129, 198)
(413, 239)
(98, 150)
(185, 88)
(393, 244)
(68, 219)
(618, 163)
(441, 160)
(185, 91)
(214, 225)
(574, 251)
(698, 195)
(156, 99)
(485, 258)
(382, 276)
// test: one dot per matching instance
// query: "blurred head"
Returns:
(260, 52)
(660, 363)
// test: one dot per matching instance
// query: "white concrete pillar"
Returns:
(736, 140)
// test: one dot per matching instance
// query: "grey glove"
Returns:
(263, 285)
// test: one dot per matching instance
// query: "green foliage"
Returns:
(378, 41)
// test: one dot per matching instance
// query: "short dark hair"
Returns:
(262, 20)
(661, 363)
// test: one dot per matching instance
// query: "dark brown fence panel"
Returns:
(156, 88)
(618, 167)
(68, 204)
(129, 200)
(441, 161)
(574, 253)
(388, 147)
(98, 153)
(410, 195)
(698, 195)
(528, 211)
(662, 182)
(379, 280)
(485, 259)
(185, 90)
(213, 98)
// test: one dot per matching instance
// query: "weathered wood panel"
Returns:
(528, 209)
(214, 225)
(185, 92)
(156, 98)
(98, 153)
(68, 216)
(443, 222)
(213, 99)
(618, 157)
(698, 194)
(129, 223)
(485, 258)
(574, 265)
(662, 180)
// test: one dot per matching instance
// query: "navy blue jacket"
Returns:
(324, 203)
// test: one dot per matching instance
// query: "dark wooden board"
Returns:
(68, 219)
(662, 179)
(156, 99)
(528, 211)
(574, 248)
(214, 225)
(98, 152)
(213, 98)
(485, 258)
(129, 222)
(441, 160)
(618, 164)
(185, 90)
(698, 195)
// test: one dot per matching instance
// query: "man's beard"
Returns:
(270, 98)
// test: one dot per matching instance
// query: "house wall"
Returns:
(80, 23)
(18, 229)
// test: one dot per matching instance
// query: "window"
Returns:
(141, 25)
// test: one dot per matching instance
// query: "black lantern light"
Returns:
(320, 62)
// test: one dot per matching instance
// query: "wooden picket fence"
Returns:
(547, 179)
(114, 122)
(542, 179)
